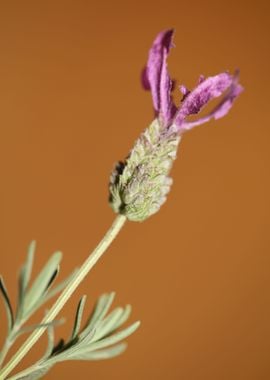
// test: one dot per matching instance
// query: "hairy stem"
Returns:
(11, 339)
(3, 353)
(66, 294)
(6, 347)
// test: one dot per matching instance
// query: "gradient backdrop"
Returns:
(197, 273)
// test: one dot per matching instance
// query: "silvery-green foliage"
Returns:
(97, 339)
(138, 186)
(31, 297)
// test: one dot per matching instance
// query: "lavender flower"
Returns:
(138, 186)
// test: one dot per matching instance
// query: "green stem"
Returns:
(8, 343)
(65, 295)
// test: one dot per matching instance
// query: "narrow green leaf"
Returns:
(95, 351)
(29, 263)
(41, 283)
(9, 311)
(124, 317)
(100, 310)
(24, 278)
(86, 338)
(106, 326)
(85, 347)
(103, 304)
(101, 354)
(34, 372)
(115, 338)
(78, 317)
(21, 295)
(58, 288)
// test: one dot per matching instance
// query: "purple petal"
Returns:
(208, 89)
(156, 78)
(221, 109)
(167, 107)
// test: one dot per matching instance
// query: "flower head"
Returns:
(139, 185)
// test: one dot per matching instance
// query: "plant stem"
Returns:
(11, 339)
(8, 343)
(65, 295)
(3, 353)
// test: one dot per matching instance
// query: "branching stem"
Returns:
(11, 338)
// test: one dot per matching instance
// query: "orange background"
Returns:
(197, 273)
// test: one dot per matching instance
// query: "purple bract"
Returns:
(155, 77)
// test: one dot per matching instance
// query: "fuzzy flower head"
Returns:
(139, 185)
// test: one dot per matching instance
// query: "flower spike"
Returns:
(140, 184)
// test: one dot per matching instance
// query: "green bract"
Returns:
(138, 186)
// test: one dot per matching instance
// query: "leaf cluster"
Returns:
(31, 298)
(98, 338)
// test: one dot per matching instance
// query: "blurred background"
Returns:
(197, 273)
